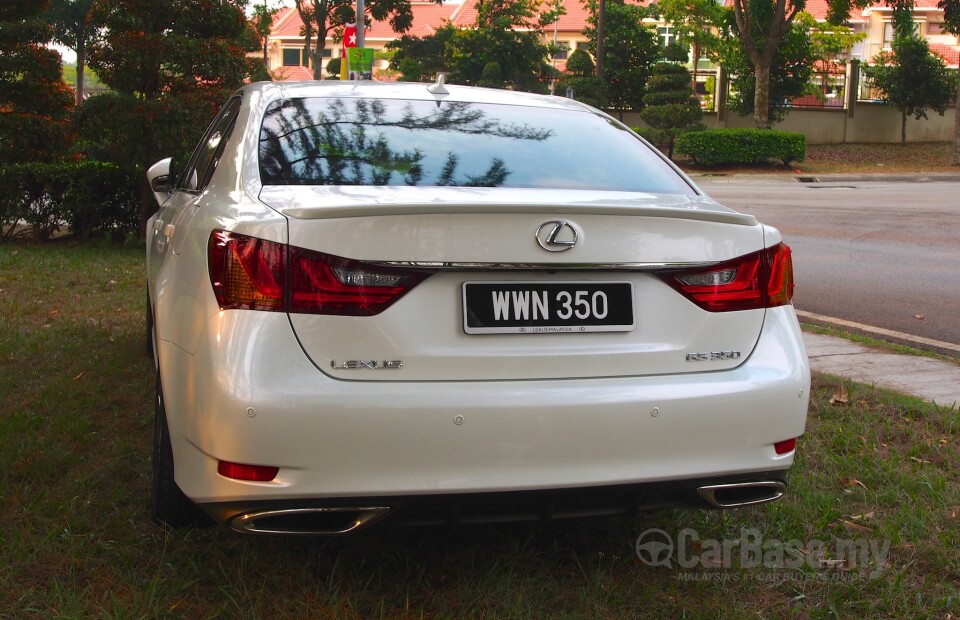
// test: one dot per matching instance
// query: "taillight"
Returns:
(762, 279)
(320, 283)
(254, 274)
(246, 272)
(241, 471)
(785, 446)
(779, 263)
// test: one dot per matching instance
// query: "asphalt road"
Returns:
(882, 253)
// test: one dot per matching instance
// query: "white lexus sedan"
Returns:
(416, 304)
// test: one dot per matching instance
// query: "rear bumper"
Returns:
(249, 395)
(333, 516)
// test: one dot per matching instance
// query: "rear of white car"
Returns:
(391, 303)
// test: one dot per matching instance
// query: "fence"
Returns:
(832, 113)
(826, 89)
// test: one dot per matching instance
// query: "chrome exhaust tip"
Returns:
(740, 494)
(308, 521)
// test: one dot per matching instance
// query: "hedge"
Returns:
(742, 146)
(86, 197)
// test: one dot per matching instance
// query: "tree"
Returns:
(321, 16)
(670, 108)
(502, 49)
(951, 23)
(630, 49)
(829, 45)
(761, 26)
(171, 65)
(35, 103)
(333, 68)
(771, 46)
(694, 22)
(911, 79)
(506, 34)
(840, 11)
(72, 29)
(420, 58)
(263, 24)
(786, 77)
(581, 78)
(411, 70)
(580, 63)
(828, 41)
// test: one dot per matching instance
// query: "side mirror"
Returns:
(160, 179)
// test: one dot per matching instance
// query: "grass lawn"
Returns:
(854, 159)
(75, 539)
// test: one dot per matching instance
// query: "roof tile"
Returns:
(292, 74)
(949, 53)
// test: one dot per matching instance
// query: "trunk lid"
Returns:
(486, 246)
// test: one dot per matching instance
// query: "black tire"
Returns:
(148, 341)
(170, 506)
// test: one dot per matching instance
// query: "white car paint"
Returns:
(463, 413)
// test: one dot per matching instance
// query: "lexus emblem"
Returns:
(557, 236)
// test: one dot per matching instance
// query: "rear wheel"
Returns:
(170, 506)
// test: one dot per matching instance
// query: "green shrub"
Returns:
(32, 201)
(670, 107)
(580, 78)
(333, 68)
(87, 197)
(580, 63)
(742, 146)
(102, 197)
(586, 89)
(12, 205)
(492, 76)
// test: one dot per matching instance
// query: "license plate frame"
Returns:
(538, 307)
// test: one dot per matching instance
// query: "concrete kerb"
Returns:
(931, 379)
(793, 177)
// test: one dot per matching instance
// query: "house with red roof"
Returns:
(286, 39)
(877, 22)
(928, 18)
(285, 44)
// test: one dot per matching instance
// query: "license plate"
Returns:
(547, 308)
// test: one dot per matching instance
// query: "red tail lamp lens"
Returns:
(254, 274)
(252, 473)
(779, 262)
(783, 447)
(246, 272)
(324, 284)
(762, 279)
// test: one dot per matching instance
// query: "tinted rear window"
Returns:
(333, 141)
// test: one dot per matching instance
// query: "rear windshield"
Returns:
(333, 141)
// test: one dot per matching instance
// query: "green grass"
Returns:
(76, 540)
(91, 81)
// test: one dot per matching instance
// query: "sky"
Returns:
(69, 56)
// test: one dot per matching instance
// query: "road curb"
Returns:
(918, 177)
(813, 178)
